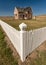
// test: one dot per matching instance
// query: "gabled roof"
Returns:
(23, 9)
(20, 9)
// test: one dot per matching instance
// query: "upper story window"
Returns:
(28, 12)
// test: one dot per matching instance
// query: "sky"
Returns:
(7, 6)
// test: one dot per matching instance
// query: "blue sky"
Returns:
(7, 6)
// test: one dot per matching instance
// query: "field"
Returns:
(31, 24)
(37, 57)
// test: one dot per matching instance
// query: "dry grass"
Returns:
(31, 24)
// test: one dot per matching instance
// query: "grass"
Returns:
(31, 24)
(41, 59)
(6, 57)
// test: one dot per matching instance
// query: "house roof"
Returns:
(20, 9)
(23, 9)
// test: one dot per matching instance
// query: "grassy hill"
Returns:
(31, 24)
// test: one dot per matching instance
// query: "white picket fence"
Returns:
(34, 39)
(24, 41)
(13, 35)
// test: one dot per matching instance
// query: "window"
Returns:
(15, 14)
(26, 15)
(28, 12)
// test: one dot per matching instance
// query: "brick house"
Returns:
(23, 13)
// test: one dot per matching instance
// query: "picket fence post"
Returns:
(23, 40)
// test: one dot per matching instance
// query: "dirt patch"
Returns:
(42, 47)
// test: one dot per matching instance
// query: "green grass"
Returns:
(31, 24)
(41, 58)
(6, 57)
